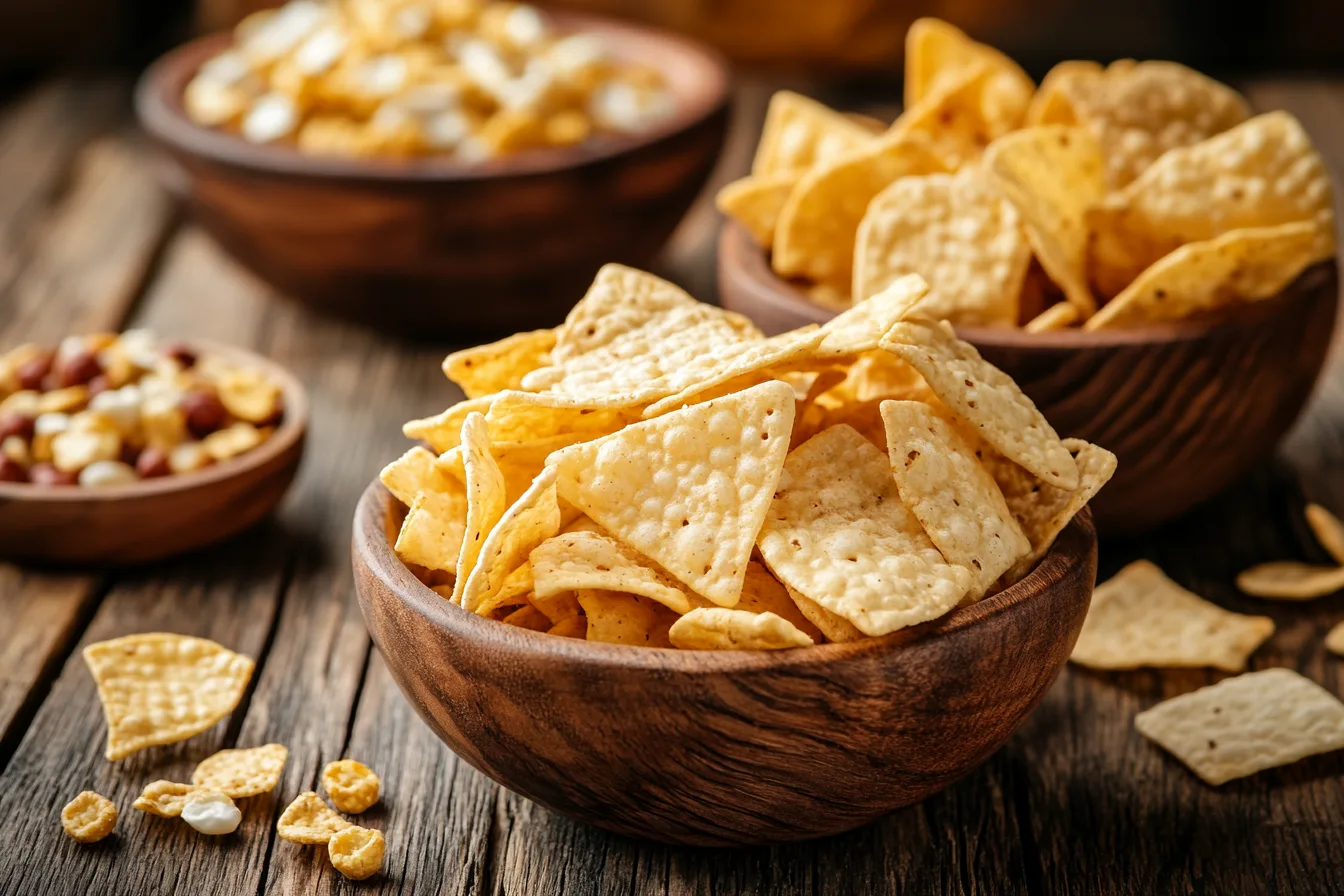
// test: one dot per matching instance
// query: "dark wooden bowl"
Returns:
(1187, 408)
(432, 247)
(157, 518)
(723, 748)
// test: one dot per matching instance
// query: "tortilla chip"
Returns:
(1059, 316)
(716, 628)
(486, 500)
(1328, 529)
(755, 202)
(487, 369)
(1052, 103)
(586, 561)
(431, 534)
(443, 431)
(763, 593)
(936, 51)
(615, 618)
(531, 520)
(1288, 580)
(412, 473)
(800, 132)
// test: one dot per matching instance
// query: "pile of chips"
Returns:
(160, 688)
(468, 78)
(1107, 197)
(110, 409)
(1258, 720)
(656, 472)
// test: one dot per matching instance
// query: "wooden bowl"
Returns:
(433, 247)
(1188, 408)
(723, 748)
(156, 518)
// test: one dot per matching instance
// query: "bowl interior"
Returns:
(696, 75)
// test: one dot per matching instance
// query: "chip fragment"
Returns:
(985, 397)
(756, 201)
(1334, 639)
(432, 533)
(352, 786)
(412, 473)
(615, 618)
(1289, 580)
(160, 688)
(532, 519)
(486, 497)
(242, 773)
(357, 852)
(799, 132)
(955, 499)
(838, 533)
(1139, 617)
(309, 820)
(689, 489)
(718, 628)
(1328, 529)
(89, 817)
(1246, 724)
(165, 799)
(936, 51)
(587, 560)
(501, 365)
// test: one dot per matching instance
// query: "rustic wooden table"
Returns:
(1076, 802)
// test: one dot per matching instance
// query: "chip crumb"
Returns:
(89, 817)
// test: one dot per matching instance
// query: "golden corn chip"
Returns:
(985, 397)
(443, 431)
(1059, 316)
(160, 688)
(756, 201)
(967, 110)
(835, 296)
(958, 234)
(89, 817)
(1288, 580)
(352, 786)
(615, 618)
(1041, 509)
(1334, 639)
(532, 417)
(487, 369)
(955, 499)
(935, 51)
(1139, 617)
(412, 473)
(817, 226)
(1136, 111)
(485, 497)
(1328, 529)
(1052, 175)
(1245, 724)
(717, 628)
(242, 773)
(357, 852)
(309, 820)
(1261, 173)
(518, 462)
(434, 529)
(835, 628)
(838, 533)
(587, 561)
(165, 798)
(1052, 104)
(1239, 266)
(763, 593)
(531, 520)
(861, 328)
(800, 132)
(570, 627)
(517, 587)
(528, 617)
(689, 489)
(880, 374)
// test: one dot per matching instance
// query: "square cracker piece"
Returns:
(1246, 724)
(838, 533)
(985, 397)
(950, 492)
(690, 489)
(1139, 617)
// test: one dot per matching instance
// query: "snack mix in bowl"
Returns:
(655, 472)
(468, 79)
(1108, 197)
(109, 409)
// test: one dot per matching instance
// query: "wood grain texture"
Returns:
(724, 748)
(1187, 408)
(411, 246)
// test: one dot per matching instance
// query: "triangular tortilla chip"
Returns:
(689, 489)
(412, 473)
(756, 201)
(499, 365)
(160, 688)
(577, 561)
(800, 132)
(838, 533)
(615, 618)
(935, 51)
(532, 519)
(486, 501)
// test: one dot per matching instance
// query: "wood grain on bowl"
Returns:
(1187, 408)
(723, 747)
(157, 518)
(432, 246)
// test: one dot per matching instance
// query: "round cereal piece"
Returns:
(357, 852)
(90, 817)
(352, 786)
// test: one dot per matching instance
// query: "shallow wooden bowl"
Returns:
(157, 518)
(723, 748)
(1188, 408)
(432, 247)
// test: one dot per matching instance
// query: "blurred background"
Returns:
(833, 37)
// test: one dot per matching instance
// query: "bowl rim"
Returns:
(289, 434)
(740, 258)
(158, 105)
(372, 549)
